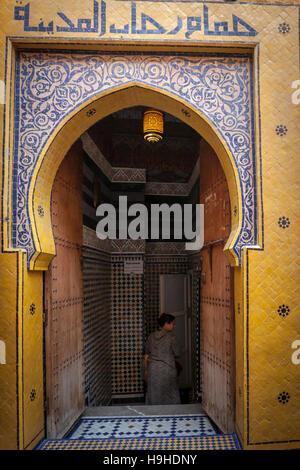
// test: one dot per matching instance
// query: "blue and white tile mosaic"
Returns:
(50, 86)
(159, 426)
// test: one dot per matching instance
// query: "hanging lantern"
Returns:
(153, 126)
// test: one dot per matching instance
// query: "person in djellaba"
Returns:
(161, 364)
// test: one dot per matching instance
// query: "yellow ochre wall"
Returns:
(268, 277)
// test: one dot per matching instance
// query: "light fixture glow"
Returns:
(153, 126)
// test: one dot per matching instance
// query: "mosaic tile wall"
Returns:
(135, 309)
(97, 301)
(97, 327)
(127, 330)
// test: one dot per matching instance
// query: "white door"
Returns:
(175, 299)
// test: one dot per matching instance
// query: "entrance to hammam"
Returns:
(99, 314)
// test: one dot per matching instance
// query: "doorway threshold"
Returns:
(142, 427)
(137, 409)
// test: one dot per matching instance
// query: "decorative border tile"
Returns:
(219, 87)
(219, 442)
(166, 248)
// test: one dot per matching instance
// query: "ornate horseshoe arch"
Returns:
(60, 95)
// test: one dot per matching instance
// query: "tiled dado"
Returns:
(127, 328)
(97, 326)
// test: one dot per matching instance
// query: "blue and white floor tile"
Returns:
(150, 426)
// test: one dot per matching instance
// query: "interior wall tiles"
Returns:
(128, 246)
(50, 86)
(91, 240)
(97, 294)
(127, 328)
(97, 326)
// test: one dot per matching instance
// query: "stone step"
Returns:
(136, 409)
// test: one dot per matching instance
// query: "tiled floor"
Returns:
(140, 427)
(146, 426)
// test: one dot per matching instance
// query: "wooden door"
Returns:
(216, 297)
(64, 301)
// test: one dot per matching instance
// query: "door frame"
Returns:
(188, 323)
